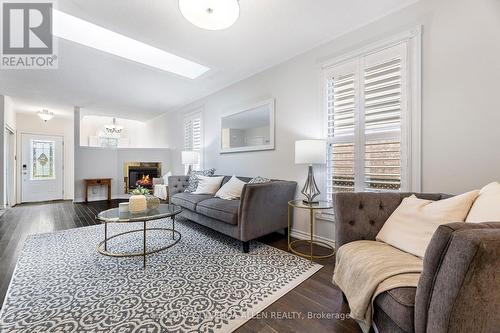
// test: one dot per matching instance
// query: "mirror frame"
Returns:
(270, 103)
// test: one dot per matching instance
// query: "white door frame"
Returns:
(20, 160)
(10, 163)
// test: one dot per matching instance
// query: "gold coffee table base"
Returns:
(102, 246)
(310, 255)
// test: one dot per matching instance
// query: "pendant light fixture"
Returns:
(113, 129)
(210, 14)
(45, 115)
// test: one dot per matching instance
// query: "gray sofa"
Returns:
(459, 289)
(261, 210)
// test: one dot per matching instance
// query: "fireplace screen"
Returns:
(141, 176)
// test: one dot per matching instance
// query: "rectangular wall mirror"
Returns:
(248, 129)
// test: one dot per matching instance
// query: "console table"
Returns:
(97, 182)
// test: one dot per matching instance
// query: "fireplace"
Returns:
(141, 174)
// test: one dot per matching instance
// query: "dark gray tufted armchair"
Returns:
(459, 289)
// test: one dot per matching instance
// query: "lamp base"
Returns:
(310, 189)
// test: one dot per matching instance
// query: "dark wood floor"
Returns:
(313, 306)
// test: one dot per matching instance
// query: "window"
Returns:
(193, 136)
(372, 120)
(42, 161)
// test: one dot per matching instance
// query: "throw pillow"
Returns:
(193, 180)
(208, 185)
(486, 208)
(412, 224)
(231, 190)
(259, 180)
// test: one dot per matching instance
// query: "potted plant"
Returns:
(152, 201)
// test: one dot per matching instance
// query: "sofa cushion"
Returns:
(411, 226)
(486, 207)
(399, 305)
(219, 209)
(193, 179)
(231, 190)
(189, 200)
(228, 178)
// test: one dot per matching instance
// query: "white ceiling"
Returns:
(267, 33)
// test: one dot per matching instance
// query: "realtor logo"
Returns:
(27, 40)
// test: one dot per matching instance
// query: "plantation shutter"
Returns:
(193, 135)
(341, 114)
(383, 103)
(365, 105)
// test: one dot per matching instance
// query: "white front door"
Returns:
(41, 167)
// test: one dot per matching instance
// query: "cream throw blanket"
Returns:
(365, 269)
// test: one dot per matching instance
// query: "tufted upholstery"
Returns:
(458, 290)
(360, 216)
(177, 184)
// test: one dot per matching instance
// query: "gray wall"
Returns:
(460, 107)
(460, 110)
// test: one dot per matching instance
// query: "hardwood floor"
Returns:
(313, 306)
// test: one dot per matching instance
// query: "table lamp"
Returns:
(310, 152)
(190, 158)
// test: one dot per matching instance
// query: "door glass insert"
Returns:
(42, 162)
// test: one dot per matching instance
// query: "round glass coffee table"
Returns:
(114, 216)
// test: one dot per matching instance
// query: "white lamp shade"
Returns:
(190, 157)
(310, 152)
(210, 14)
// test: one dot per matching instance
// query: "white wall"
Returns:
(460, 115)
(10, 113)
(62, 126)
(7, 120)
(96, 162)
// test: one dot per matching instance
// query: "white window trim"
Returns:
(412, 125)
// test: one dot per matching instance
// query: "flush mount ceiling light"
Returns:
(88, 34)
(45, 115)
(210, 14)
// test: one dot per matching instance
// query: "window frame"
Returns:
(410, 120)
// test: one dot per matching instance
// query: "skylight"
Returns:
(85, 33)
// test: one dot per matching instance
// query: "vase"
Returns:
(152, 202)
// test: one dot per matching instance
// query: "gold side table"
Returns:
(322, 205)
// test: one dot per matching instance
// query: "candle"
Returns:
(123, 207)
(137, 203)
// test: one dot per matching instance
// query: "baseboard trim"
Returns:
(304, 235)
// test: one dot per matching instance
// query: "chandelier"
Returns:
(113, 128)
(45, 115)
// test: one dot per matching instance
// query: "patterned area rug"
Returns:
(204, 283)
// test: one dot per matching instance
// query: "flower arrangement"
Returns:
(139, 190)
